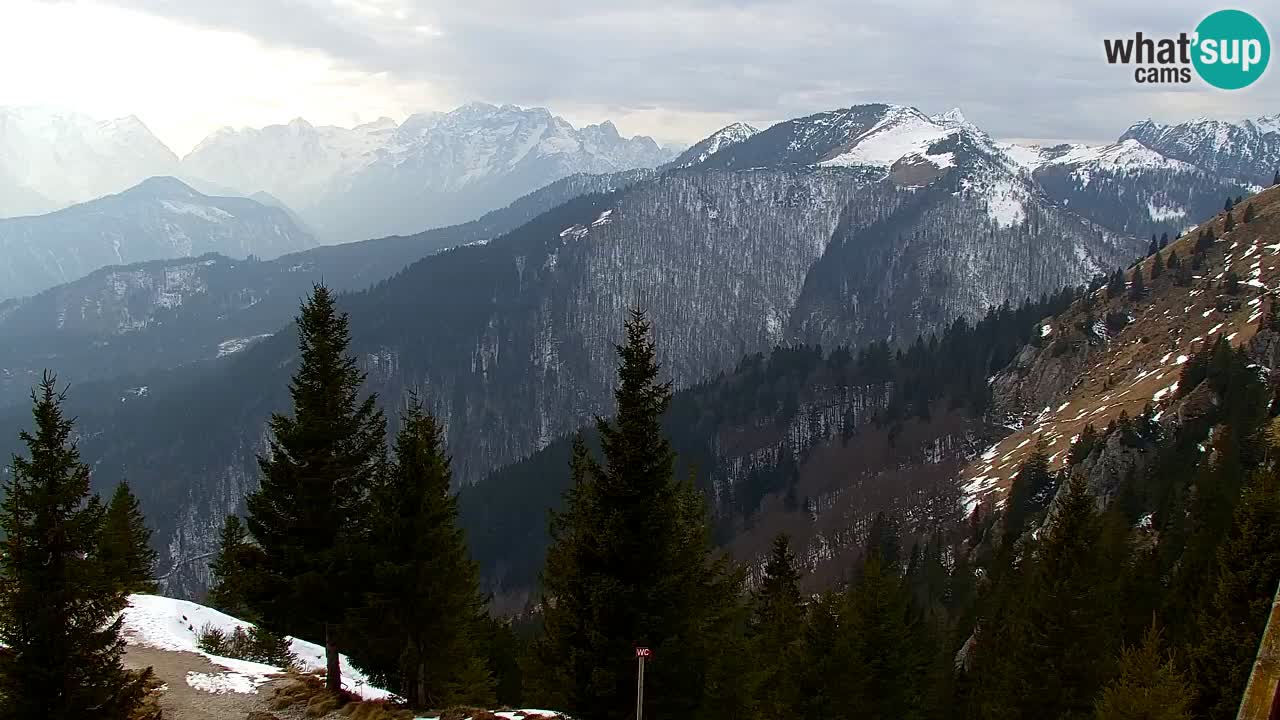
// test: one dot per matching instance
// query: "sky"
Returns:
(672, 69)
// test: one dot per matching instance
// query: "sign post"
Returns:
(641, 654)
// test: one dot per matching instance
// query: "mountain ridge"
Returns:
(161, 217)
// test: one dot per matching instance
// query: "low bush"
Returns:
(254, 644)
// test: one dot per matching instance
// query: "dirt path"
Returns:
(180, 701)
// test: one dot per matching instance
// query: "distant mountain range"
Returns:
(157, 219)
(51, 159)
(374, 180)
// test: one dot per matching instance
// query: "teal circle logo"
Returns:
(1231, 49)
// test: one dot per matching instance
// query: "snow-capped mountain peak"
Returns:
(902, 133)
(952, 117)
(726, 136)
(52, 158)
(1246, 150)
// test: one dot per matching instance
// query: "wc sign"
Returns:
(1229, 49)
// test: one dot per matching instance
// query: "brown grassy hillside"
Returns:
(1082, 373)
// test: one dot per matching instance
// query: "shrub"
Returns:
(254, 644)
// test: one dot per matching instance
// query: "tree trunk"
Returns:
(333, 670)
(421, 673)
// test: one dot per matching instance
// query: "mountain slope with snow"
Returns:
(715, 142)
(51, 159)
(1126, 185)
(1247, 151)
(159, 218)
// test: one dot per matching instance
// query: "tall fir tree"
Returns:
(313, 501)
(880, 648)
(1164, 240)
(1147, 686)
(1230, 625)
(58, 604)
(776, 622)
(631, 564)
(1154, 246)
(1137, 288)
(424, 607)
(1115, 285)
(1030, 493)
(1048, 625)
(1248, 213)
(126, 543)
(237, 572)
(1157, 267)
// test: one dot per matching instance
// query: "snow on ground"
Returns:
(517, 714)
(1004, 204)
(1029, 157)
(169, 624)
(235, 345)
(900, 134)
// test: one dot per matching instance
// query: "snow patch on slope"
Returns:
(903, 133)
(169, 624)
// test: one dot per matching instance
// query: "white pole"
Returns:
(640, 689)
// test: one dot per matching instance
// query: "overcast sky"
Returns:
(673, 69)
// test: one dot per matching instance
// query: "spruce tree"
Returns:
(1154, 246)
(880, 648)
(58, 604)
(1164, 240)
(126, 544)
(1157, 267)
(777, 616)
(1229, 223)
(1030, 492)
(631, 564)
(1275, 179)
(1148, 686)
(1230, 625)
(1115, 286)
(1248, 213)
(1226, 207)
(424, 606)
(1067, 606)
(236, 571)
(308, 512)
(1137, 288)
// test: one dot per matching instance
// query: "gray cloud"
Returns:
(1017, 68)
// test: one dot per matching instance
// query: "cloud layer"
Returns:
(679, 68)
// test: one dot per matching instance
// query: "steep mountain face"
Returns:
(1126, 185)
(511, 341)
(159, 218)
(432, 170)
(124, 320)
(51, 159)
(1247, 151)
